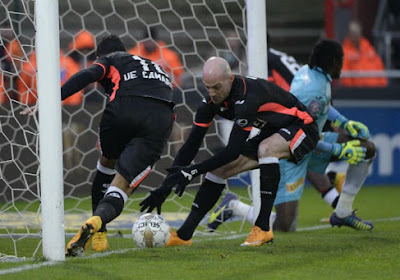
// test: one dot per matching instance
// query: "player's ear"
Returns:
(231, 78)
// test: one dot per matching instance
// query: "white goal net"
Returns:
(192, 29)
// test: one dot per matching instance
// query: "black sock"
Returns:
(269, 181)
(205, 199)
(100, 184)
(109, 208)
(334, 203)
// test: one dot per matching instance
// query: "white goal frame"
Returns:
(50, 129)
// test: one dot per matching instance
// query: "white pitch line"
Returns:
(123, 251)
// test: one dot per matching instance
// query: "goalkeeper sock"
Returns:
(269, 181)
(111, 205)
(240, 209)
(101, 182)
(355, 177)
(331, 196)
(205, 199)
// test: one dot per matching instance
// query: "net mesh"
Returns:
(193, 30)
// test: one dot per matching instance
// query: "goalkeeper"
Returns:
(325, 64)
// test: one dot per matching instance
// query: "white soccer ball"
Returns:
(150, 230)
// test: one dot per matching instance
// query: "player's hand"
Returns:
(30, 111)
(357, 129)
(180, 177)
(350, 151)
(155, 199)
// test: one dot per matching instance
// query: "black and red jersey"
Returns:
(281, 68)
(254, 102)
(122, 74)
(126, 74)
(251, 102)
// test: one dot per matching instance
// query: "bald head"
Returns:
(354, 33)
(216, 68)
(217, 78)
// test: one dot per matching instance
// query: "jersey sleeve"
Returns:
(245, 113)
(230, 153)
(104, 63)
(203, 120)
(80, 80)
(205, 114)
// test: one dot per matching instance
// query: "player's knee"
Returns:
(370, 146)
(286, 216)
(264, 150)
(284, 224)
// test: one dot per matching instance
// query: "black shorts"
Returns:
(134, 130)
(303, 139)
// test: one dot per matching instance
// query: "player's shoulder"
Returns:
(308, 80)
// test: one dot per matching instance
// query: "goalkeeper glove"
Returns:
(357, 129)
(155, 199)
(354, 128)
(350, 151)
(180, 177)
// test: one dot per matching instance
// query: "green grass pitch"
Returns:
(315, 251)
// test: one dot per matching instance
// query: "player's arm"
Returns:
(186, 154)
(350, 151)
(81, 79)
(354, 128)
(181, 176)
(74, 84)
(191, 146)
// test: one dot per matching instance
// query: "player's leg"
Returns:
(138, 148)
(293, 142)
(325, 187)
(355, 177)
(316, 171)
(290, 190)
(207, 196)
(270, 151)
(287, 214)
(104, 175)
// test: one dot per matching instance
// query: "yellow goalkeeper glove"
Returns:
(357, 129)
(350, 151)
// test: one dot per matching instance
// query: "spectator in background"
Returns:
(154, 49)
(360, 55)
(82, 49)
(27, 88)
(11, 55)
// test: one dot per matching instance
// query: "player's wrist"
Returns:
(337, 149)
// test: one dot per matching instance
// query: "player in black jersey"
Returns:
(286, 131)
(135, 125)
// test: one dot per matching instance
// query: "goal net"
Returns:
(192, 29)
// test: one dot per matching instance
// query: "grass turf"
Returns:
(309, 254)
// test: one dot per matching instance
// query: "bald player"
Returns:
(287, 131)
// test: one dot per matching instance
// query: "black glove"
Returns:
(155, 199)
(180, 177)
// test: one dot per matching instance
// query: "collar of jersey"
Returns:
(319, 69)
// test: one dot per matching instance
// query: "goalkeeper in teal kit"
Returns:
(311, 85)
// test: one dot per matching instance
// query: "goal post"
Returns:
(50, 130)
(45, 182)
(258, 67)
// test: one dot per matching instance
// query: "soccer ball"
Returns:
(150, 230)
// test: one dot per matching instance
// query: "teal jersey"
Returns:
(313, 88)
